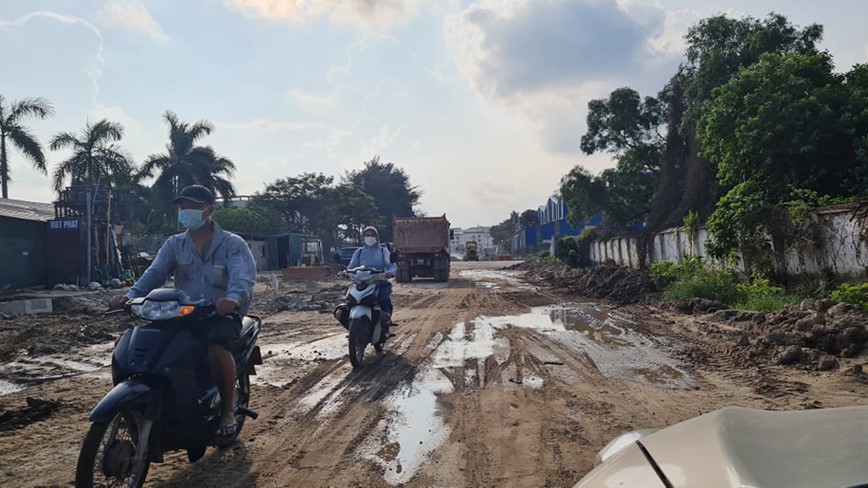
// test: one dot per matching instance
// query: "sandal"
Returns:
(227, 430)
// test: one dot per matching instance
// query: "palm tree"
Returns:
(95, 156)
(185, 163)
(10, 127)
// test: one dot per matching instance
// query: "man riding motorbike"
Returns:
(207, 263)
(375, 255)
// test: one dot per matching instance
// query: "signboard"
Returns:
(70, 224)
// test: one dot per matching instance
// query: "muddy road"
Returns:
(489, 381)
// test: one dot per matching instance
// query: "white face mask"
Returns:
(370, 241)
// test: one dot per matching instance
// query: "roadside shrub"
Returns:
(568, 251)
(718, 285)
(855, 294)
(691, 279)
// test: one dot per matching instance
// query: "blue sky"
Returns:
(482, 103)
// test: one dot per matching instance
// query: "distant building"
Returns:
(460, 238)
(24, 228)
(552, 225)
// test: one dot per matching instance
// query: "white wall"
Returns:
(838, 242)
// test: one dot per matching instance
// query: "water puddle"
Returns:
(463, 344)
(415, 430)
(7, 387)
(330, 347)
(591, 329)
(26, 371)
(484, 277)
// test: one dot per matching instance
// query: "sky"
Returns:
(482, 103)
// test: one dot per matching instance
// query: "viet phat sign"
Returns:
(68, 224)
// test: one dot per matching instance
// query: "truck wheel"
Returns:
(403, 276)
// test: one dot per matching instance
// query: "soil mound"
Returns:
(813, 335)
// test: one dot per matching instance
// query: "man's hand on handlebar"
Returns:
(117, 302)
(225, 306)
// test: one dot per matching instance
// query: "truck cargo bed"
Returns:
(421, 234)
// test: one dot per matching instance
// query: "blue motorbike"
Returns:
(164, 398)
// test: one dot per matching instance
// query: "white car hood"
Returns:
(740, 447)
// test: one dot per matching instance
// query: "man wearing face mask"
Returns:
(207, 263)
(374, 255)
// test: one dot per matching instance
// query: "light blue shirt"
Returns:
(374, 257)
(227, 271)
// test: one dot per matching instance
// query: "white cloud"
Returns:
(545, 59)
(380, 142)
(314, 102)
(671, 41)
(94, 70)
(131, 15)
(378, 14)
(260, 125)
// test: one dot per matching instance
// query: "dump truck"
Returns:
(471, 251)
(422, 247)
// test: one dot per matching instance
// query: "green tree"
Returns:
(502, 233)
(185, 163)
(622, 195)
(250, 220)
(96, 157)
(717, 48)
(351, 210)
(12, 130)
(627, 126)
(299, 200)
(391, 190)
(779, 123)
(856, 118)
(529, 218)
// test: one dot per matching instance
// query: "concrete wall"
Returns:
(837, 242)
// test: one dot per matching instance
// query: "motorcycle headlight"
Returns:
(151, 310)
(620, 443)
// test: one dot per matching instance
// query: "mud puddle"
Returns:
(27, 371)
(414, 429)
(278, 358)
(483, 278)
(604, 335)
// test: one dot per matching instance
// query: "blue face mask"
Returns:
(191, 218)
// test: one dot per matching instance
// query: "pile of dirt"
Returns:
(326, 297)
(36, 409)
(47, 334)
(814, 335)
(614, 283)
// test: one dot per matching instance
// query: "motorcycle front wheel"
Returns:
(359, 330)
(107, 456)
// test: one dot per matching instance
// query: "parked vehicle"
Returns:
(737, 446)
(345, 255)
(361, 314)
(471, 251)
(164, 399)
(422, 244)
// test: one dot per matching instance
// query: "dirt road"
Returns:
(488, 382)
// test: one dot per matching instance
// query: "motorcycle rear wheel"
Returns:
(105, 456)
(358, 340)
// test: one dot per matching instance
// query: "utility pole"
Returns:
(89, 233)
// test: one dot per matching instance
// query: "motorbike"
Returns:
(164, 398)
(361, 315)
